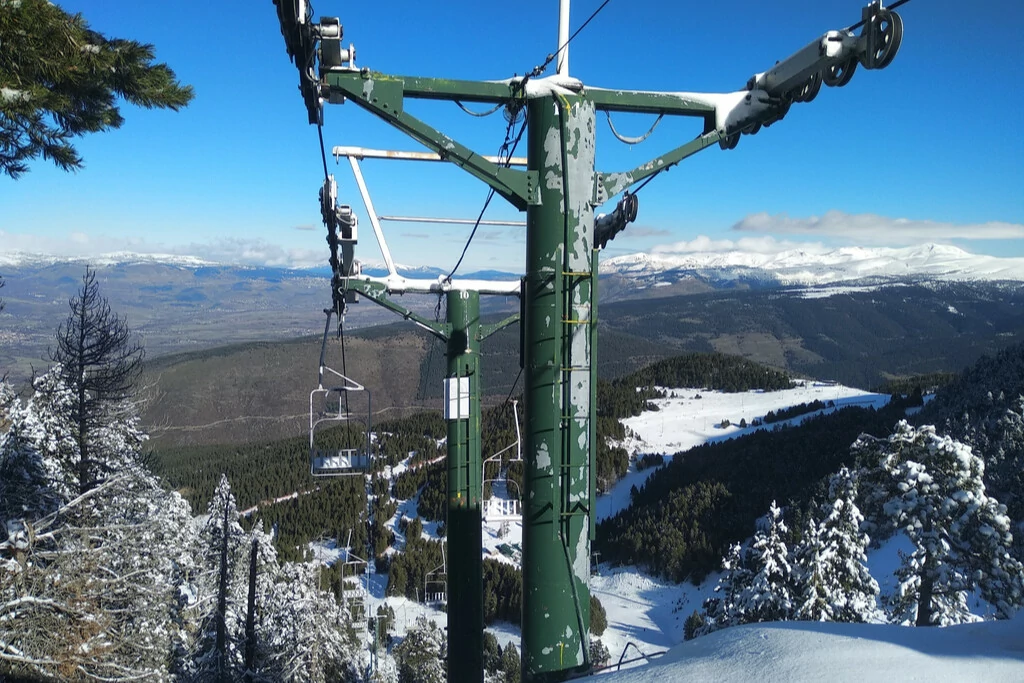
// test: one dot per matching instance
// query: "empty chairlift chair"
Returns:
(498, 503)
(435, 583)
(334, 452)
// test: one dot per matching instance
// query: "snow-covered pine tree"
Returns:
(961, 536)
(722, 610)
(769, 595)
(218, 592)
(831, 560)
(421, 654)
(99, 359)
(25, 488)
(44, 428)
(305, 636)
(91, 591)
(757, 581)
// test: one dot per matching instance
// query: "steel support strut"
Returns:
(558, 334)
(465, 563)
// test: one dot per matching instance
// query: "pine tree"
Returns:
(961, 536)
(304, 634)
(99, 360)
(769, 595)
(59, 80)
(757, 581)
(93, 591)
(421, 654)
(831, 560)
(25, 488)
(723, 610)
(220, 592)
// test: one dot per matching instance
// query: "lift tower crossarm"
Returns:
(384, 96)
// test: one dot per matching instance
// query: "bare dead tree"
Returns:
(100, 360)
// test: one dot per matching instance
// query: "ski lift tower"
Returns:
(559, 190)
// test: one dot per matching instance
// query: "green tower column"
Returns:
(558, 337)
(465, 549)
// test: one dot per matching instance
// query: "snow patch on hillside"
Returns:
(682, 421)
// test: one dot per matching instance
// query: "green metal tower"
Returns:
(558, 191)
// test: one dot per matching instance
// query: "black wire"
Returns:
(490, 196)
(508, 399)
(506, 155)
(898, 3)
(521, 88)
(323, 151)
(649, 179)
(538, 70)
(337, 301)
(582, 26)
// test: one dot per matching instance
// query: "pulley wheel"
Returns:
(838, 75)
(888, 29)
(779, 113)
(729, 141)
(630, 206)
(809, 90)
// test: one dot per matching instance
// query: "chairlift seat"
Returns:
(502, 510)
(338, 462)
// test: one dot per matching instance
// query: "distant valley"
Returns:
(233, 351)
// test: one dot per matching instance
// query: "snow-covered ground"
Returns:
(798, 651)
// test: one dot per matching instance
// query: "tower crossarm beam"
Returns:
(651, 102)
(384, 96)
(377, 293)
(487, 330)
(607, 185)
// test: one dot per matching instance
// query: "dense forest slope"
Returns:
(862, 338)
(259, 391)
(858, 337)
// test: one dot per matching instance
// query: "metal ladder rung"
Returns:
(572, 273)
(572, 321)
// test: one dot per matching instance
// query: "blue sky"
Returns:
(929, 149)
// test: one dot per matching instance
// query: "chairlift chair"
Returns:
(504, 509)
(329, 407)
(435, 583)
(353, 599)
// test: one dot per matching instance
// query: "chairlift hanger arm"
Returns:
(384, 96)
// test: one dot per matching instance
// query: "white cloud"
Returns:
(228, 251)
(869, 228)
(758, 245)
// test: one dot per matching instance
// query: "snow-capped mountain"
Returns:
(799, 267)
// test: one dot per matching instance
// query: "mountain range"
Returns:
(182, 304)
(797, 267)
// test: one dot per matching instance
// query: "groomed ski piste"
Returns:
(646, 614)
